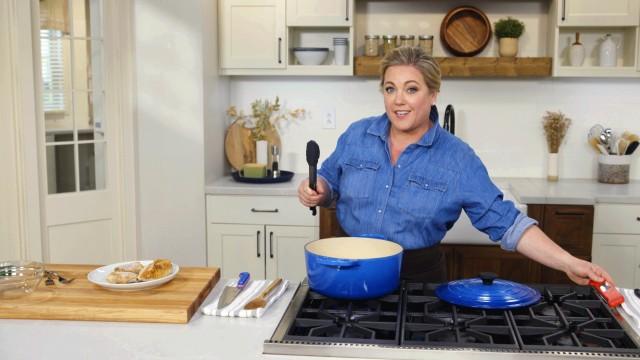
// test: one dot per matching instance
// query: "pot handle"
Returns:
(336, 262)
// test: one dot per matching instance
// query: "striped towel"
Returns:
(254, 288)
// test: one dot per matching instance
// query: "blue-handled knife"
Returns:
(231, 292)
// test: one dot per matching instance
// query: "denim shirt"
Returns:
(415, 202)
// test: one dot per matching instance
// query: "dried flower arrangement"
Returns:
(555, 126)
(265, 116)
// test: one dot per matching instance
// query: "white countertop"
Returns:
(204, 337)
(526, 190)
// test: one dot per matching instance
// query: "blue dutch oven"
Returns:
(487, 292)
(353, 268)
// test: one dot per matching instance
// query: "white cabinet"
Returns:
(264, 235)
(252, 34)
(599, 13)
(616, 242)
(319, 13)
(257, 37)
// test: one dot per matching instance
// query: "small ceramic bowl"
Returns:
(310, 55)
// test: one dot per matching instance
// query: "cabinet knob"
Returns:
(638, 218)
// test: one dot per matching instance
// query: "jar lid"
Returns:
(372, 37)
(389, 36)
(407, 37)
(425, 37)
(487, 292)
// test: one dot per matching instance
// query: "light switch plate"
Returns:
(329, 118)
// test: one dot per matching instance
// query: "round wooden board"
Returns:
(465, 31)
(241, 149)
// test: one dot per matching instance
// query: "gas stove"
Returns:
(568, 321)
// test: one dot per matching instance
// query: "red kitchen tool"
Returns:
(608, 292)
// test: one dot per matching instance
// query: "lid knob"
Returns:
(487, 277)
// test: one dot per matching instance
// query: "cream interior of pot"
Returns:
(353, 248)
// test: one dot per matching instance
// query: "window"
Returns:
(52, 70)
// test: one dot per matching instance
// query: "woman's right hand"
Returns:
(308, 197)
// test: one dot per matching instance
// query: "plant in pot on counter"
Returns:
(555, 125)
(263, 123)
(508, 31)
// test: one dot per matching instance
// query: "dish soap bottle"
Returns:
(608, 54)
(576, 52)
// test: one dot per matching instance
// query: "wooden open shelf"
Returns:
(471, 66)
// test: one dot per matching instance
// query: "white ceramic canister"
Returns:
(608, 52)
(576, 52)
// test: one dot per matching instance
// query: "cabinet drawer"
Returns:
(269, 210)
(617, 219)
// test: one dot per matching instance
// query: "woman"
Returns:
(404, 177)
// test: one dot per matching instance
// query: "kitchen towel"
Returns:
(235, 309)
(631, 308)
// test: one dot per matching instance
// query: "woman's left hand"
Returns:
(581, 271)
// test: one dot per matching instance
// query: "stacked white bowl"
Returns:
(341, 47)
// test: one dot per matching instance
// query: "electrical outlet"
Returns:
(329, 119)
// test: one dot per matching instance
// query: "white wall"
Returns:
(500, 119)
(170, 113)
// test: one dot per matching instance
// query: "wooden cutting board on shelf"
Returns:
(173, 302)
(241, 149)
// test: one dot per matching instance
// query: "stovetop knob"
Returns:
(488, 277)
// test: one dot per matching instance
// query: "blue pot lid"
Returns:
(487, 292)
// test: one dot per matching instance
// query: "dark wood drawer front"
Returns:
(571, 227)
(471, 260)
(329, 225)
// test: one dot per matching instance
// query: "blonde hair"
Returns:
(416, 57)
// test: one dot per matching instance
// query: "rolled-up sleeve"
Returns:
(488, 211)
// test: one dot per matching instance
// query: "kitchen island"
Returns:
(204, 337)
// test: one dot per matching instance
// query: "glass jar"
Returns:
(407, 40)
(426, 43)
(371, 45)
(389, 43)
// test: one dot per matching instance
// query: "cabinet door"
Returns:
(570, 226)
(319, 12)
(599, 13)
(471, 260)
(285, 251)
(252, 34)
(619, 255)
(329, 225)
(236, 248)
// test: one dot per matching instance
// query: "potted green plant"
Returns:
(508, 31)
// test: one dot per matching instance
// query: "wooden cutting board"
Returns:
(241, 149)
(173, 302)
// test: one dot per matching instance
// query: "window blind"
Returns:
(52, 70)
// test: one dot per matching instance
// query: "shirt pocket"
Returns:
(422, 196)
(358, 178)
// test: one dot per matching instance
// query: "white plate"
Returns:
(99, 277)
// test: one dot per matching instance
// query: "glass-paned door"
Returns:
(80, 210)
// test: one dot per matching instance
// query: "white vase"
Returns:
(261, 151)
(552, 167)
(576, 52)
(608, 52)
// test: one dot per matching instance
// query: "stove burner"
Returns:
(567, 318)
(331, 320)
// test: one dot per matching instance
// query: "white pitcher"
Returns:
(608, 52)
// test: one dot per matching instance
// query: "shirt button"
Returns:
(399, 166)
(386, 186)
(379, 211)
